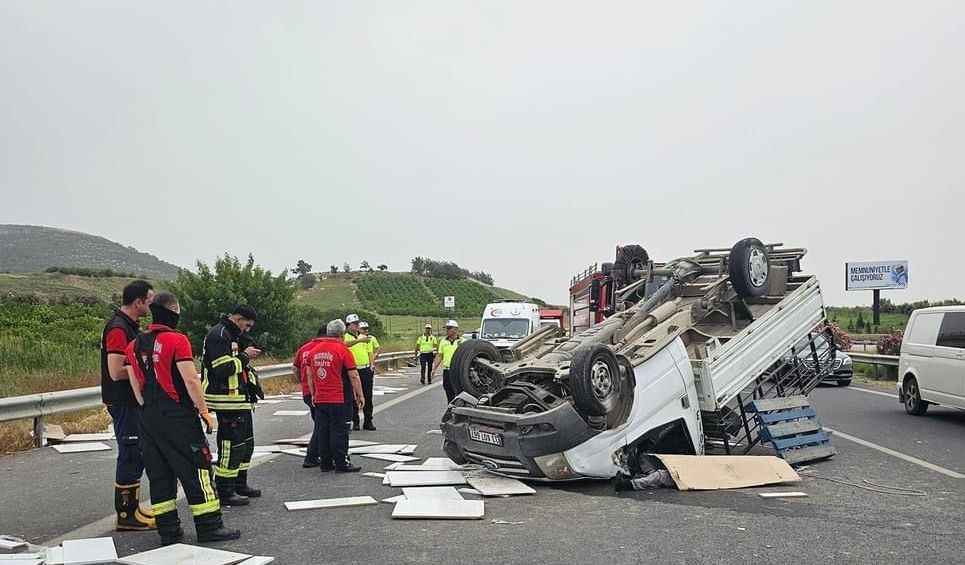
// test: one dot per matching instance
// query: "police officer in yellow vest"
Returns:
(447, 348)
(229, 390)
(358, 344)
(425, 350)
(374, 346)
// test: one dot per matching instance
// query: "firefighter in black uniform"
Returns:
(230, 389)
(165, 382)
(120, 330)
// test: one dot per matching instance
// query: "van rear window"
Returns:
(952, 332)
(924, 329)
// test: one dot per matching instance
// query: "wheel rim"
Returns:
(757, 267)
(911, 395)
(480, 377)
(601, 378)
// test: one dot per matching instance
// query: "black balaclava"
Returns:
(161, 315)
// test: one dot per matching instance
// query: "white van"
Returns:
(931, 369)
(505, 323)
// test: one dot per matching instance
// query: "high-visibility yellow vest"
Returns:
(427, 343)
(447, 349)
(360, 350)
(373, 345)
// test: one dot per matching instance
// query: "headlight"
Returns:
(556, 467)
(847, 361)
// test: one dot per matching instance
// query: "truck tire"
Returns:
(595, 380)
(748, 266)
(464, 374)
(630, 258)
(914, 404)
(619, 416)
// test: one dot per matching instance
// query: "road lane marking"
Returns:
(893, 453)
(106, 524)
(859, 389)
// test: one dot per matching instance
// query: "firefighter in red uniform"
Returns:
(300, 369)
(116, 391)
(335, 387)
(165, 382)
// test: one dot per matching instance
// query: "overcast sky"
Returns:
(525, 139)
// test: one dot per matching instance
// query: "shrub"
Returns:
(891, 344)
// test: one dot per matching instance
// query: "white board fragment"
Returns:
(470, 491)
(428, 509)
(89, 551)
(499, 486)
(794, 494)
(102, 436)
(442, 461)
(184, 554)
(440, 493)
(300, 452)
(360, 443)
(374, 475)
(424, 478)
(11, 545)
(290, 413)
(258, 560)
(392, 448)
(419, 467)
(394, 499)
(81, 447)
(390, 457)
(330, 503)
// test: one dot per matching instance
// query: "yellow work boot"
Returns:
(129, 514)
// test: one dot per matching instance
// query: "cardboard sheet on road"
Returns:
(714, 472)
(184, 554)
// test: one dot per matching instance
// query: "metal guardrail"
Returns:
(36, 406)
(873, 358)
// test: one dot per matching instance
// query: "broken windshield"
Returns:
(505, 328)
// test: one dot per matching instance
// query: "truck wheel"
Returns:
(748, 266)
(471, 377)
(914, 405)
(630, 258)
(619, 416)
(595, 380)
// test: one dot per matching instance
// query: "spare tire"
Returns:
(466, 375)
(749, 266)
(630, 258)
(595, 380)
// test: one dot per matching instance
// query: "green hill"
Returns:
(32, 249)
(57, 287)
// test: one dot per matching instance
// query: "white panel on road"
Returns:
(442, 461)
(439, 493)
(184, 554)
(26, 561)
(103, 436)
(422, 467)
(470, 491)
(10, 545)
(272, 401)
(782, 494)
(290, 413)
(296, 440)
(360, 443)
(89, 551)
(82, 447)
(374, 475)
(301, 452)
(427, 509)
(394, 499)
(269, 448)
(408, 450)
(424, 478)
(7, 558)
(390, 457)
(376, 449)
(499, 486)
(331, 503)
(258, 560)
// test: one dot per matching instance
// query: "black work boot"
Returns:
(127, 507)
(622, 483)
(221, 534)
(349, 468)
(210, 528)
(228, 496)
(169, 527)
(242, 488)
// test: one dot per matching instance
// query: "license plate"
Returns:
(485, 437)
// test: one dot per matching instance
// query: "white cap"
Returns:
(429, 326)
(363, 325)
(351, 318)
(452, 324)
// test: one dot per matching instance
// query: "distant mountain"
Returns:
(32, 249)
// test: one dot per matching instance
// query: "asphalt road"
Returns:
(46, 495)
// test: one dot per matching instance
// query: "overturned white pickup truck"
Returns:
(689, 343)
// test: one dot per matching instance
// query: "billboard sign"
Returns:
(876, 275)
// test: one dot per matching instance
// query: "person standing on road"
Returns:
(447, 348)
(301, 368)
(425, 350)
(121, 329)
(334, 384)
(228, 392)
(374, 346)
(358, 344)
(164, 381)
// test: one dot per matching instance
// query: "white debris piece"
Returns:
(442, 461)
(434, 432)
(794, 494)
(258, 560)
(375, 475)
(14, 558)
(470, 491)
(296, 440)
(9, 545)
(499, 486)
(360, 443)
(290, 413)
(424, 478)
(272, 401)
(89, 551)
(330, 503)
(82, 447)
(183, 554)
(421, 467)
(441, 493)
(427, 508)
(300, 452)
(408, 450)
(269, 448)
(102, 436)
(36, 560)
(390, 457)
(394, 499)
(376, 449)
(55, 556)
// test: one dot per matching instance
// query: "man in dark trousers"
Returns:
(335, 387)
(358, 344)
(121, 329)
(447, 348)
(165, 382)
(425, 350)
(229, 391)
(301, 365)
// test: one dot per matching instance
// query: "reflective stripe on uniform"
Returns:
(224, 459)
(164, 506)
(205, 507)
(204, 477)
